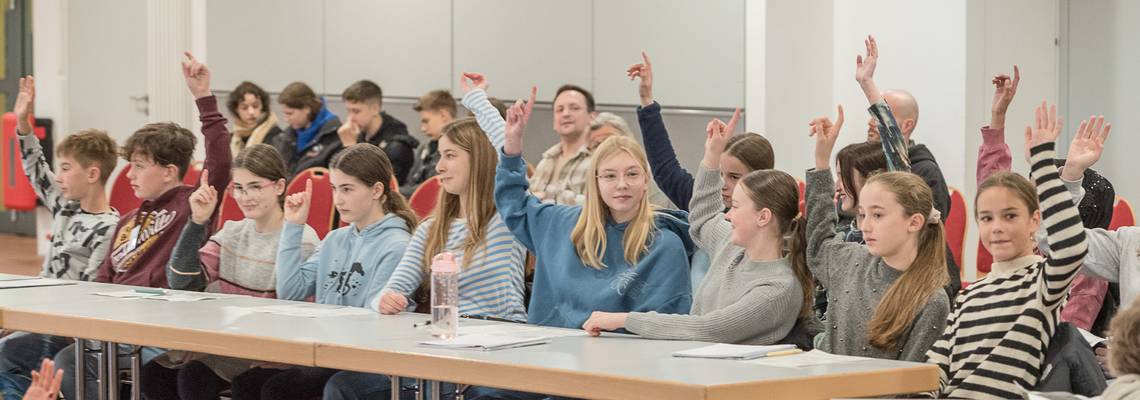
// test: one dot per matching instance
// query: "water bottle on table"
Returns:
(444, 296)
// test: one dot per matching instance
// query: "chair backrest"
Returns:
(228, 210)
(193, 173)
(321, 210)
(1122, 214)
(956, 225)
(425, 197)
(122, 197)
(800, 186)
(985, 260)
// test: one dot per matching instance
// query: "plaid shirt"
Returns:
(569, 187)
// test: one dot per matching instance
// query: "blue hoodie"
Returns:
(306, 135)
(348, 268)
(566, 290)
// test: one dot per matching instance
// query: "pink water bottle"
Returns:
(444, 296)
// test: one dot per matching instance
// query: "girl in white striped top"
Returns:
(996, 337)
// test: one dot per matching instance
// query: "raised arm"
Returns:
(1067, 239)
(823, 244)
(994, 154)
(218, 155)
(708, 227)
(475, 99)
(36, 166)
(296, 276)
(674, 180)
(890, 135)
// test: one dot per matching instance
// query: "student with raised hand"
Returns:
(238, 259)
(885, 297)
(310, 139)
(254, 121)
(145, 238)
(82, 220)
(754, 293)
(743, 153)
(350, 266)
(994, 343)
(368, 123)
(464, 222)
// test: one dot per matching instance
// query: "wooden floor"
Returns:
(18, 255)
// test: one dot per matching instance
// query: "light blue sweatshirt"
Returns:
(565, 290)
(349, 268)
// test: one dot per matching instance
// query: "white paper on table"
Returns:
(1092, 339)
(485, 342)
(806, 359)
(182, 297)
(127, 294)
(311, 310)
(518, 330)
(17, 278)
(34, 282)
(726, 351)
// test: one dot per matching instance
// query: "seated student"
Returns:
(311, 138)
(743, 153)
(885, 298)
(368, 123)
(350, 266)
(238, 259)
(253, 121)
(1019, 303)
(145, 238)
(464, 222)
(82, 220)
(608, 124)
(437, 109)
(560, 177)
(754, 293)
(1124, 358)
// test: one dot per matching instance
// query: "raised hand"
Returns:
(717, 134)
(393, 303)
(1048, 126)
(643, 71)
(1086, 147)
(1004, 90)
(825, 134)
(197, 76)
(348, 133)
(45, 382)
(604, 321)
(865, 70)
(203, 200)
(25, 105)
(297, 205)
(517, 117)
(472, 80)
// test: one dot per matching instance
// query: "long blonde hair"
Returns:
(465, 134)
(908, 294)
(589, 234)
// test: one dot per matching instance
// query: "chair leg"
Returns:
(419, 389)
(136, 377)
(394, 382)
(80, 368)
(111, 356)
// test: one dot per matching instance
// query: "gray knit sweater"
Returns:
(739, 301)
(856, 281)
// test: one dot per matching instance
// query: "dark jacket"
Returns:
(317, 154)
(923, 164)
(397, 143)
(427, 155)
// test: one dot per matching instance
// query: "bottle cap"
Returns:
(444, 263)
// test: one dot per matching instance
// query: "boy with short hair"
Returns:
(437, 108)
(367, 122)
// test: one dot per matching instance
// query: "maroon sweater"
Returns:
(144, 238)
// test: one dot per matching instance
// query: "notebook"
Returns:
(723, 351)
(485, 342)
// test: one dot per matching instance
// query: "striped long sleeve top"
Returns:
(996, 337)
(490, 285)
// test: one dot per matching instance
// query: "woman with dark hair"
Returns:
(253, 121)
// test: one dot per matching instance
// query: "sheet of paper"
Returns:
(806, 359)
(7, 277)
(127, 294)
(485, 342)
(35, 282)
(311, 310)
(182, 297)
(517, 330)
(1092, 339)
(733, 351)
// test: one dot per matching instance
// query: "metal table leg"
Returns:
(419, 389)
(80, 368)
(434, 395)
(394, 381)
(136, 377)
(111, 356)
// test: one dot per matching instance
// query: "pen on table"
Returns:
(785, 353)
(150, 291)
(421, 324)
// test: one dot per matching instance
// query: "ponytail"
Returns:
(797, 255)
(395, 203)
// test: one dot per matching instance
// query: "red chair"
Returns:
(985, 260)
(321, 210)
(956, 225)
(425, 197)
(192, 174)
(1122, 214)
(122, 196)
(800, 185)
(228, 210)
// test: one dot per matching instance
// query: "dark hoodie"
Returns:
(397, 143)
(317, 153)
(923, 164)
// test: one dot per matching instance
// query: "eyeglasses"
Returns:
(253, 189)
(632, 176)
